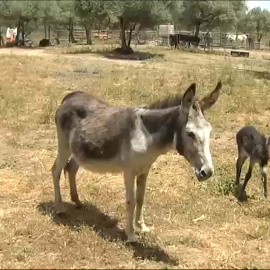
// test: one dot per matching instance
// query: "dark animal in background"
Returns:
(254, 145)
(177, 38)
(44, 43)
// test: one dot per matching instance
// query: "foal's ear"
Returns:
(211, 98)
(188, 97)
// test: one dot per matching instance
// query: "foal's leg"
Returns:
(248, 176)
(264, 180)
(72, 169)
(130, 205)
(59, 164)
(239, 164)
(140, 192)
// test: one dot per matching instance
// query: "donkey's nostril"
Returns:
(203, 173)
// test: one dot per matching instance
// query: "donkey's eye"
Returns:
(191, 135)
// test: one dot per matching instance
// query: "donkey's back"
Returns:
(252, 142)
(91, 129)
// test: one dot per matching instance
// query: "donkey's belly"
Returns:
(138, 164)
(102, 166)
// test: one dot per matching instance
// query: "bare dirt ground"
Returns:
(194, 225)
(261, 55)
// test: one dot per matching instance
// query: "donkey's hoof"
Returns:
(78, 205)
(142, 228)
(60, 209)
(241, 198)
(132, 238)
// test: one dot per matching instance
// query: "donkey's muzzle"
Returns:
(204, 173)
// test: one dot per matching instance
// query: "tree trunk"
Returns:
(18, 33)
(259, 37)
(88, 36)
(22, 34)
(197, 29)
(123, 34)
(49, 32)
(1, 39)
(130, 35)
(45, 30)
(72, 32)
(69, 30)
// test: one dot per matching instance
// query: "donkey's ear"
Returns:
(188, 97)
(211, 98)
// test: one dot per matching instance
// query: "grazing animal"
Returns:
(177, 38)
(254, 145)
(104, 138)
(44, 43)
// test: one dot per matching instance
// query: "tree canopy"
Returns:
(258, 21)
(132, 16)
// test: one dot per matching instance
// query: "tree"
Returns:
(233, 18)
(67, 16)
(49, 13)
(88, 13)
(20, 12)
(176, 8)
(258, 21)
(137, 14)
(240, 9)
(204, 12)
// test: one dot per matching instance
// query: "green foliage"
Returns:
(258, 21)
(49, 11)
(90, 12)
(211, 14)
(137, 15)
(226, 186)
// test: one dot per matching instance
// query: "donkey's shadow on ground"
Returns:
(136, 56)
(106, 227)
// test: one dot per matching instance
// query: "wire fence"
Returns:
(151, 37)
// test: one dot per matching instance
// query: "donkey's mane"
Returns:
(168, 102)
(171, 101)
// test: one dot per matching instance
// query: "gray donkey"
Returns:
(254, 145)
(104, 138)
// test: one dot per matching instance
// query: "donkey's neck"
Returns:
(161, 124)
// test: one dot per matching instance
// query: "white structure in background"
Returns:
(11, 34)
(237, 39)
(164, 31)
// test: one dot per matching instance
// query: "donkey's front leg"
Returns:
(141, 185)
(130, 205)
(264, 180)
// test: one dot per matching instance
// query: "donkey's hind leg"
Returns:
(239, 164)
(58, 166)
(72, 168)
(264, 180)
(248, 176)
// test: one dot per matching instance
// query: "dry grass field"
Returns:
(194, 225)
